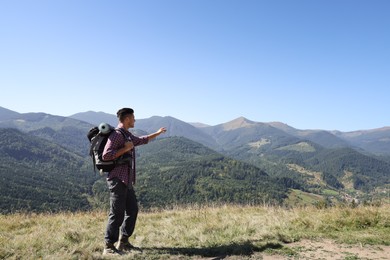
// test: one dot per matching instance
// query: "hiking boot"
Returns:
(110, 250)
(125, 246)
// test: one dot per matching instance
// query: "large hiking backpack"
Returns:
(98, 137)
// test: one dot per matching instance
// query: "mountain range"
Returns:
(375, 141)
(250, 154)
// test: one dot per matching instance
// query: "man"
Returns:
(120, 180)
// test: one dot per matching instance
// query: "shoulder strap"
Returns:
(123, 132)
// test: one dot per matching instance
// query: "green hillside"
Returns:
(368, 172)
(37, 175)
(315, 168)
(177, 170)
(67, 132)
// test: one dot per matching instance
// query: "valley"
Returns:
(241, 161)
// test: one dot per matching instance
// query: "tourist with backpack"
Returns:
(120, 180)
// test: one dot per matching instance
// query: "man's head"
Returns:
(126, 117)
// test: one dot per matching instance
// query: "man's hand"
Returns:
(128, 146)
(161, 130)
(157, 133)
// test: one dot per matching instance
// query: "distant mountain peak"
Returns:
(238, 123)
(199, 125)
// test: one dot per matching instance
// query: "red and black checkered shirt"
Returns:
(116, 141)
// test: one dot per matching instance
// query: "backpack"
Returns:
(98, 137)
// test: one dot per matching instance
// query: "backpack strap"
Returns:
(123, 133)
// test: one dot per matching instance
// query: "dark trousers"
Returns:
(123, 210)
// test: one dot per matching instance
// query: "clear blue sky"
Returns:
(321, 64)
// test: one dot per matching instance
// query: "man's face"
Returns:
(130, 120)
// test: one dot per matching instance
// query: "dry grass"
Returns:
(191, 232)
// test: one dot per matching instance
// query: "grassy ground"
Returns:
(194, 232)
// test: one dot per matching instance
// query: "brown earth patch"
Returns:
(329, 249)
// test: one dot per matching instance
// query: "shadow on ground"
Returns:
(244, 249)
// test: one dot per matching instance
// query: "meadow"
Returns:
(197, 232)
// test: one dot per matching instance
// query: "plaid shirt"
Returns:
(115, 142)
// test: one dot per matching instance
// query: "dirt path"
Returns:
(328, 249)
